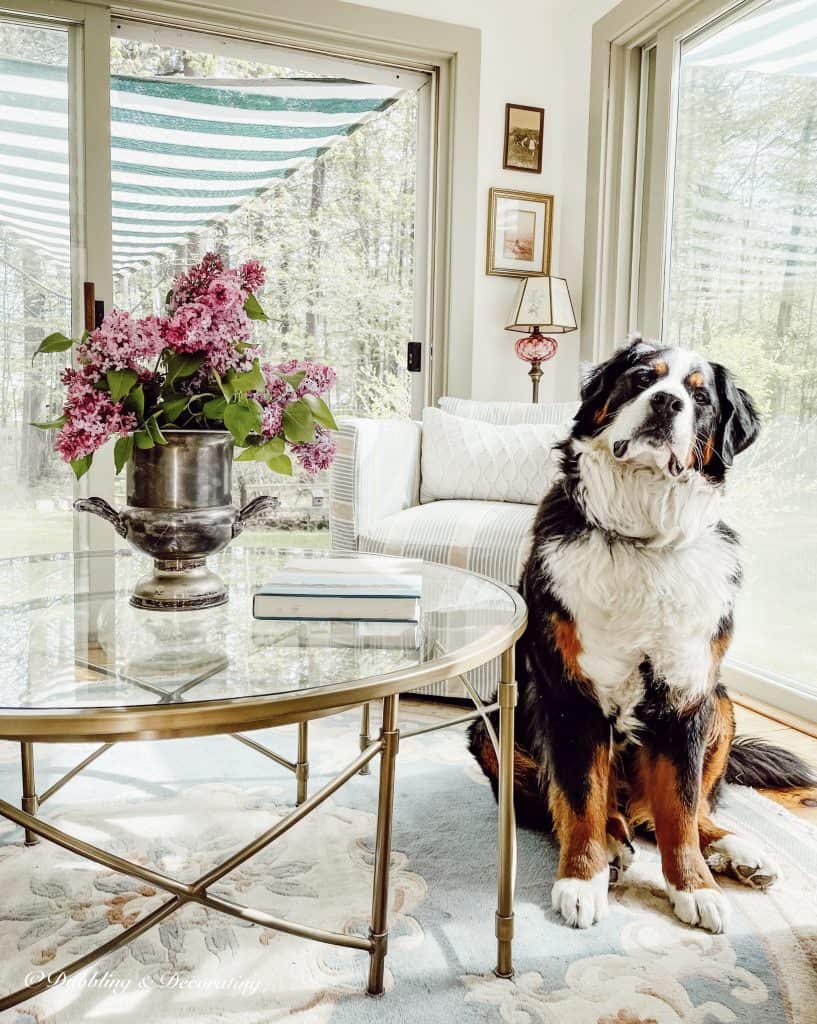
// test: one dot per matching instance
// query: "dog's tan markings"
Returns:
(661, 368)
(659, 804)
(696, 379)
(583, 835)
(709, 450)
(617, 825)
(525, 769)
(718, 646)
(566, 641)
(601, 414)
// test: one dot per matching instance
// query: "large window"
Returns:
(741, 286)
(702, 230)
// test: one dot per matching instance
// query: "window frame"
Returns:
(629, 202)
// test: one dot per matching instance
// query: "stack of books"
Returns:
(343, 589)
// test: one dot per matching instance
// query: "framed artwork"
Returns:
(523, 138)
(519, 233)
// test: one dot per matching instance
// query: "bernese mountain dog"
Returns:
(622, 722)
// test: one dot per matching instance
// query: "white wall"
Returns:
(535, 52)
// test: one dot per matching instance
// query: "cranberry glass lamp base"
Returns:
(536, 349)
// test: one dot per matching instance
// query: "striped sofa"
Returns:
(375, 503)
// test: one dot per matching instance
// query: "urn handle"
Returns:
(252, 508)
(100, 507)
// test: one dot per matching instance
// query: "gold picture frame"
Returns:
(520, 230)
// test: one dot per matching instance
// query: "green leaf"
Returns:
(294, 379)
(56, 342)
(214, 409)
(262, 452)
(81, 466)
(252, 380)
(321, 411)
(299, 423)
(224, 384)
(280, 464)
(135, 402)
(173, 406)
(53, 425)
(122, 451)
(243, 418)
(155, 432)
(121, 383)
(143, 439)
(181, 364)
(253, 309)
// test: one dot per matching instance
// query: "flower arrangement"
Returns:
(195, 368)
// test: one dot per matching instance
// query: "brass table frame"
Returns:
(168, 720)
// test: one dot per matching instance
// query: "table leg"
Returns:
(365, 739)
(302, 764)
(379, 932)
(29, 803)
(506, 861)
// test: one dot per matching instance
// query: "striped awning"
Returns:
(778, 38)
(184, 152)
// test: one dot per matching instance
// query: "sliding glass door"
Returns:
(316, 165)
(35, 281)
(736, 146)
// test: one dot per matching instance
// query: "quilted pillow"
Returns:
(465, 458)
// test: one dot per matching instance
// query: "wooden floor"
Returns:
(802, 802)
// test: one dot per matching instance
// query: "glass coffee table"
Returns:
(81, 665)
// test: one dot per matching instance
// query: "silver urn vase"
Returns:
(179, 511)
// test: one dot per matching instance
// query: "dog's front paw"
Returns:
(581, 902)
(744, 861)
(703, 908)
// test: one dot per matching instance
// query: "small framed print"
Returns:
(524, 128)
(519, 233)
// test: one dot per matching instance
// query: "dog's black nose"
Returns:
(665, 401)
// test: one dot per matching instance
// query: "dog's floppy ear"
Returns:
(600, 380)
(738, 421)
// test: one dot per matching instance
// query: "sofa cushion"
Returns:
(555, 413)
(465, 458)
(489, 537)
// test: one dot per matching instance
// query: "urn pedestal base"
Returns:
(179, 584)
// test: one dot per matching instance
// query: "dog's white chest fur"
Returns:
(660, 598)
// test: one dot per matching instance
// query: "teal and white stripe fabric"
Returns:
(185, 152)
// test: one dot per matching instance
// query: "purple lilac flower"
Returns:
(316, 455)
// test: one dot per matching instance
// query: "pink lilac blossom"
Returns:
(316, 455)
(253, 274)
(272, 419)
(317, 380)
(91, 417)
(189, 286)
(122, 343)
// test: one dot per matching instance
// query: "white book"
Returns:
(349, 607)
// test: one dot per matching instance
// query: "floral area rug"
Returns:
(184, 805)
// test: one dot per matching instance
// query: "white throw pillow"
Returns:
(465, 458)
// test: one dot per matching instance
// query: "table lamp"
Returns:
(540, 304)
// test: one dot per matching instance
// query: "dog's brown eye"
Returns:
(644, 377)
(701, 397)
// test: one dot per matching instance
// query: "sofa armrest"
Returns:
(376, 473)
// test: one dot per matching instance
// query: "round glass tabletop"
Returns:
(79, 662)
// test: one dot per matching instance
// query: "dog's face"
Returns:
(667, 408)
